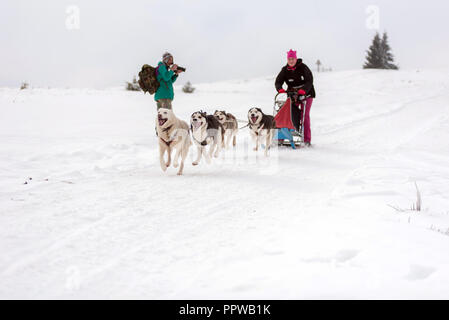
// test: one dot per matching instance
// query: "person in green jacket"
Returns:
(167, 73)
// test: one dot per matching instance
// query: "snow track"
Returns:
(99, 219)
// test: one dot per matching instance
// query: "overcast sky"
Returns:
(215, 40)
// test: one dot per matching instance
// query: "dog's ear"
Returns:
(215, 111)
(260, 110)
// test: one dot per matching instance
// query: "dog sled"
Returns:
(283, 113)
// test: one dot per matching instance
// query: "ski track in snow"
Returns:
(99, 219)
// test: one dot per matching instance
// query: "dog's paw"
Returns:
(179, 173)
(164, 168)
(168, 164)
(255, 149)
(195, 163)
(175, 164)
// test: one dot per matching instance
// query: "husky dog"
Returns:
(174, 134)
(261, 126)
(230, 125)
(206, 130)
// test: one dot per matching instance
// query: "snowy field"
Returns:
(86, 212)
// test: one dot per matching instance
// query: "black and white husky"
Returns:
(261, 127)
(206, 131)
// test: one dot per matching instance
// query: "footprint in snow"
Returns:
(244, 287)
(340, 257)
(418, 272)
(346, 255)
(274, 252)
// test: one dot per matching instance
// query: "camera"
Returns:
(181, 69)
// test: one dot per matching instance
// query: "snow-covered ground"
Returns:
(86, 212)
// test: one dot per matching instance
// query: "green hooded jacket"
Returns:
(166, 78)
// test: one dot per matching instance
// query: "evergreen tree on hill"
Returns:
(379, 55)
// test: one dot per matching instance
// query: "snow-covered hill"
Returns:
(86, 212)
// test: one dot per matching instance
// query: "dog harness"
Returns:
(168, 143)
(202, 143)
(258, 127)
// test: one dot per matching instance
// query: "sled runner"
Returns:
(287, 135)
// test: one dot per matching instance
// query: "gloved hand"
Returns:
(301, 94)
(282, 91)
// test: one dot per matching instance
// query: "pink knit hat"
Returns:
(291, 54)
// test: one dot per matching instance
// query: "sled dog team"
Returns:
(210, 133)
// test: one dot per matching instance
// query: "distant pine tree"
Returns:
(379, 55)
(388, 58)
(374, 54)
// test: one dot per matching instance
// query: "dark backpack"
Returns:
(148, 79)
